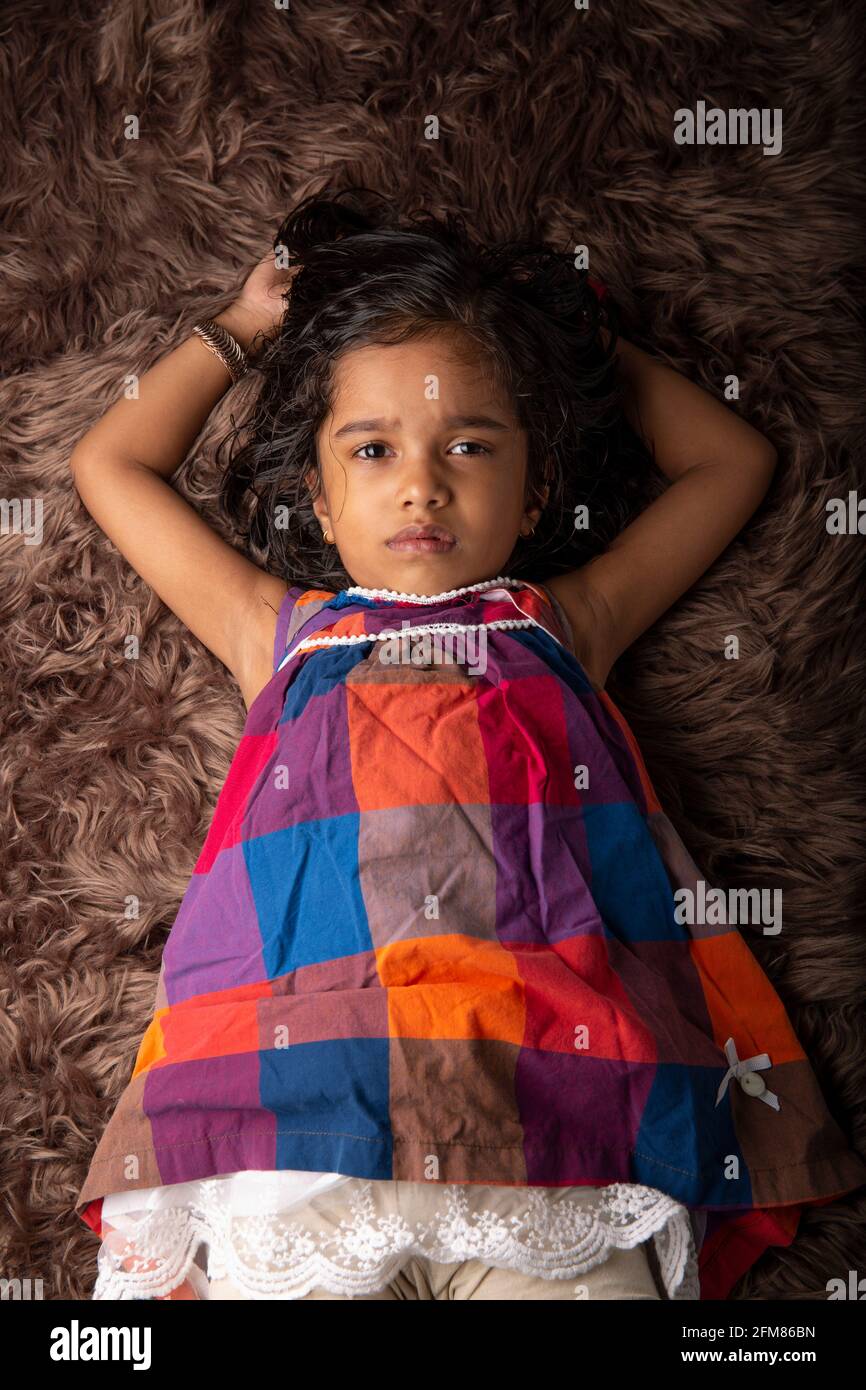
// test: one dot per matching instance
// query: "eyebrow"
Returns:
(453, 422)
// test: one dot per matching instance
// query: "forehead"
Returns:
(448, 358)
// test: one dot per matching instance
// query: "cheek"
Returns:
(337, 488)
(508, 488)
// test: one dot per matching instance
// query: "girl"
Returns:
(432, 1021)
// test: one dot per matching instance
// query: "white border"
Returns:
(501, 583)
(387, 633)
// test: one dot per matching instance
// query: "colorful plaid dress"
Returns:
(435, 933)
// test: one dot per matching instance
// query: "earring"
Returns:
(328, 538)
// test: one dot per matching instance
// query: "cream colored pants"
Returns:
(625, 1274)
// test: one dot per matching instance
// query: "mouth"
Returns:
(432, 540)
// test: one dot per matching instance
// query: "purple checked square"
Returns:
(560, 1098)
(542, 872)
(215, 942)
(207, 1117)
(309, 773)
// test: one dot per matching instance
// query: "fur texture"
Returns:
(724, 260)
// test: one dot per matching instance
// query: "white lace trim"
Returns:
(499, 583)
(359, 1248)
(387, 633)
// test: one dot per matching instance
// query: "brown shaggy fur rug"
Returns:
(724, 259)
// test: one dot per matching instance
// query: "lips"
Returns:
(431, 539)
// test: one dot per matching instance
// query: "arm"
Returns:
(121, 469)
(719, 468)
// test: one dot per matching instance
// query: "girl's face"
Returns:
(417, 436)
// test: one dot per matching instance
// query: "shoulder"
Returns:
(588, 620)
(274, 614)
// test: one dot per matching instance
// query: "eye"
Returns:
(473, 444)
(377, 444)
(374, 444)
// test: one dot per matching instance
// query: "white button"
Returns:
(752, 1083)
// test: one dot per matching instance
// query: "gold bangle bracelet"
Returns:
(221, 343)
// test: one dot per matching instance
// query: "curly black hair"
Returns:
(364, 275)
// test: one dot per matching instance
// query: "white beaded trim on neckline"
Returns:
(321, 640)
(500, 583)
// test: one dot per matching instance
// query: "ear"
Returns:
(320, 505)
(531, 515)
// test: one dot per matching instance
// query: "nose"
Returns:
(422, 484)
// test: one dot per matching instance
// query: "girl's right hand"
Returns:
(261, 298)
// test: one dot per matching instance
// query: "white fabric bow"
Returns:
(737, 1068)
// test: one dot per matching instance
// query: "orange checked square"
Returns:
(415, 743)
(452, 987)
(741, 1000)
